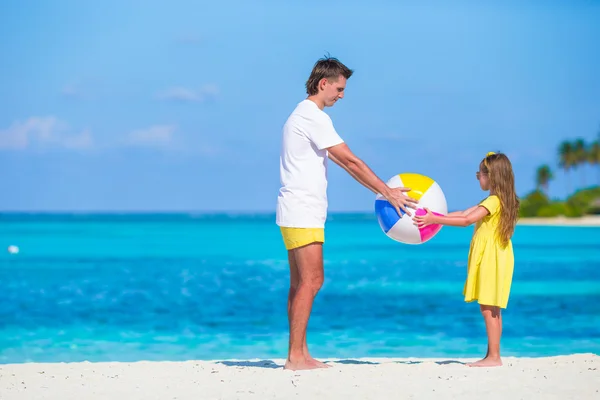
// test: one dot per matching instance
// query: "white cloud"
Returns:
(167, 138)
(70, 91)
(77, 89)
(157, 135)
(85, 88)
(210, 89)
(183, 94)
(84, 140)
(43, 132)
(179, 94)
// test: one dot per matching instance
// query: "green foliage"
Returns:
(543, 176)
(532, 203)
(566, 154)
(582, 202)
(571, 155)
(553, 210)
(594, 153)
(579, 149)
(594, 208)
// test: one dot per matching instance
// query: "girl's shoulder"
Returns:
(491, 203)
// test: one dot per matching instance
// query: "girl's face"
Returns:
(483, 178)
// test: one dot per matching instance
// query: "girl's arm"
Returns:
(464, 212)
(476, 214)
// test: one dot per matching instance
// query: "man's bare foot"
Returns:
(300, 364)
(487, 362)
(318, 363)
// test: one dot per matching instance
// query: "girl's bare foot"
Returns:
(487, 362)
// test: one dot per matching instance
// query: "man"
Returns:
(309, 139)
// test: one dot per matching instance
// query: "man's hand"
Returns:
(399, 200)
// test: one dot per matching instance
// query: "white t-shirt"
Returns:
(302, 200)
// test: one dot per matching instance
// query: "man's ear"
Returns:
(322, 83)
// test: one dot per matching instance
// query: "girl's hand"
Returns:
(422, 221)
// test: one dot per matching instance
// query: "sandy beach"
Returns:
(563, 377)
(588, 220)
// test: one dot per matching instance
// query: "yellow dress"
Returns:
(490, 266)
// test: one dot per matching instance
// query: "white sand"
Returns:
(588, 220)
(565, 377)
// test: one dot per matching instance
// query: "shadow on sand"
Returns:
(253, 364)
(353, 362)
(272, 365)
(447, 362)
(407, 362)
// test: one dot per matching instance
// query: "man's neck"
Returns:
(315, 99)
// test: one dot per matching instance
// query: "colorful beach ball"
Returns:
(427, 192)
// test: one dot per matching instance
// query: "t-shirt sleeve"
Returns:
(492, 203)
(323, 134)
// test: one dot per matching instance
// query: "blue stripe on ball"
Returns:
(386, 214)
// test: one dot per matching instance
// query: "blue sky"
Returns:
(178, 106)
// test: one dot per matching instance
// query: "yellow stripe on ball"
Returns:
(417, 183)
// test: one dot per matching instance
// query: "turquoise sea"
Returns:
(183, 286)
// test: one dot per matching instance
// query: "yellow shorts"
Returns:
(298, 237)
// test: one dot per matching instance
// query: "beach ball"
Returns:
(427, 192)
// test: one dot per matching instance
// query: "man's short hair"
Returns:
(327, 67)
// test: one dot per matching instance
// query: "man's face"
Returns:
(333, 90)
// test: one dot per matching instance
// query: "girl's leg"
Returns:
(493, 325)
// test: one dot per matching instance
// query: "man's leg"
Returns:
(294, 281)
(308, 261)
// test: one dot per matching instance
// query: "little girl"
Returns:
(491, 260)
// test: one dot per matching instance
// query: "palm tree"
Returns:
(543, 176)
(566, 160)
(580, 158)
(594, 156)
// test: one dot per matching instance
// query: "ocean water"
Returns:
(178, 287)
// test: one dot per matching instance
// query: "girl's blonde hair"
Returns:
(502, 183)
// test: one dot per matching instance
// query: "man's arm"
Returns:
(335, 160)
(342, 156)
